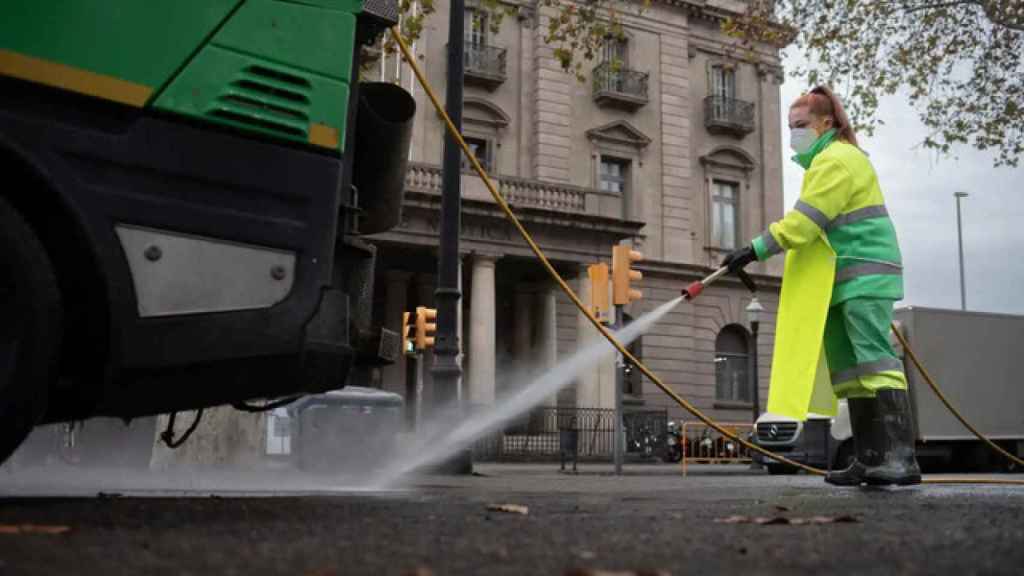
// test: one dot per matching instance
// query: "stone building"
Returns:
(671, 145)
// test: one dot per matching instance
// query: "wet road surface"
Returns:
(649, 519)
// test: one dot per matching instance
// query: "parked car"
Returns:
(817, 442)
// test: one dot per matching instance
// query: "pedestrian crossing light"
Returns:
(425, 327)
(407, 347)
(623, 275)
(599, 291)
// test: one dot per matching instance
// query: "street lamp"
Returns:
(960, 245)
(754, 310)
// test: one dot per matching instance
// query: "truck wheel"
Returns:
(30, 309)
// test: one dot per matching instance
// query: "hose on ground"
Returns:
(510, 215)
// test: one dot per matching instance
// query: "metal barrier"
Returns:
(536, 436)
(703, 445)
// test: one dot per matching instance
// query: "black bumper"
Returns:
(814, 446)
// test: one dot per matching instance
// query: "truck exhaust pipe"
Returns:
(383, 137)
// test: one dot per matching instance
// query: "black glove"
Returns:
(738, 259)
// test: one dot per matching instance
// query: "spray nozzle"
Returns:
(695, 288)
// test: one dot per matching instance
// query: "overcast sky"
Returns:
(918, 186)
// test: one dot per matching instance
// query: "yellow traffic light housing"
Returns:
(599, 290)
(623, 275)
(425, 327)
(406, 329)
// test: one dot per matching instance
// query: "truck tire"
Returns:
(30, 332)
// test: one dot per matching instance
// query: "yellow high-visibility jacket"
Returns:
(840, 244)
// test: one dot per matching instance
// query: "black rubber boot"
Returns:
(893, 439)
(862, 416)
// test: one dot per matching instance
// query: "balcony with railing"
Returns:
(484, 65)
(729, 116)
(521, 192)
(619, 86)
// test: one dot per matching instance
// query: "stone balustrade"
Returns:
(426, 178)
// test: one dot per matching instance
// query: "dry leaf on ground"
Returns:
(733, 520)
(33, 529)
(590, 572)
(773, 520)
(510, 508)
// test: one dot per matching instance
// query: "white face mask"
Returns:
(801, 139)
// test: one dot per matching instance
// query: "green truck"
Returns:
(186, 189)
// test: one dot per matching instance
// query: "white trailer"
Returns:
(972, 356)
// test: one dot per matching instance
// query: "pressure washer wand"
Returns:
(695, 288)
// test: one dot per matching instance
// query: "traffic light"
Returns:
(406, 328)
(425, 329)
(599, 290)
(623, 258)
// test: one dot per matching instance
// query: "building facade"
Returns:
(671, 145)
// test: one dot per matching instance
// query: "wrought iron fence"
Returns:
(722, 111)
(485, 60)
(619, 80)
(535, 437)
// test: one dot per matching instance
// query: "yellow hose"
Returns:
(500, 200)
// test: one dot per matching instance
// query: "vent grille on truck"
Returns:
(776, 431)
(386, 11)
(266, 99)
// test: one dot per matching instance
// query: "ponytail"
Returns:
(821, 101)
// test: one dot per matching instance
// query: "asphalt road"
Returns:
(650, 519)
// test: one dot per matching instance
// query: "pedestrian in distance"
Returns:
(843, 273)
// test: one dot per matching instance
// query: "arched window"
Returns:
(483, 123)
(732, 383)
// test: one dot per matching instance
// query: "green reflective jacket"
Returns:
(841, 199)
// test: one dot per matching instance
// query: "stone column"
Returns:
(522, 341)
(596, 387)
(460, 332)
(588, 381)
(396, 292)
(482, 331)
(546, 350)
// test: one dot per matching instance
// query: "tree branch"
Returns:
(939, 6)
(995, 13)
(1003, 17)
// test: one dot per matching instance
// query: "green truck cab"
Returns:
(186, 187)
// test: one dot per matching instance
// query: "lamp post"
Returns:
(960, 246)
(754, 310)
(447, 371)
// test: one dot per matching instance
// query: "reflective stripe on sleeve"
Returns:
(867, 269)
(816, 216)
(772, 246)
(858, 215)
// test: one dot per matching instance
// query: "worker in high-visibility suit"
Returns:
(843, 272)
